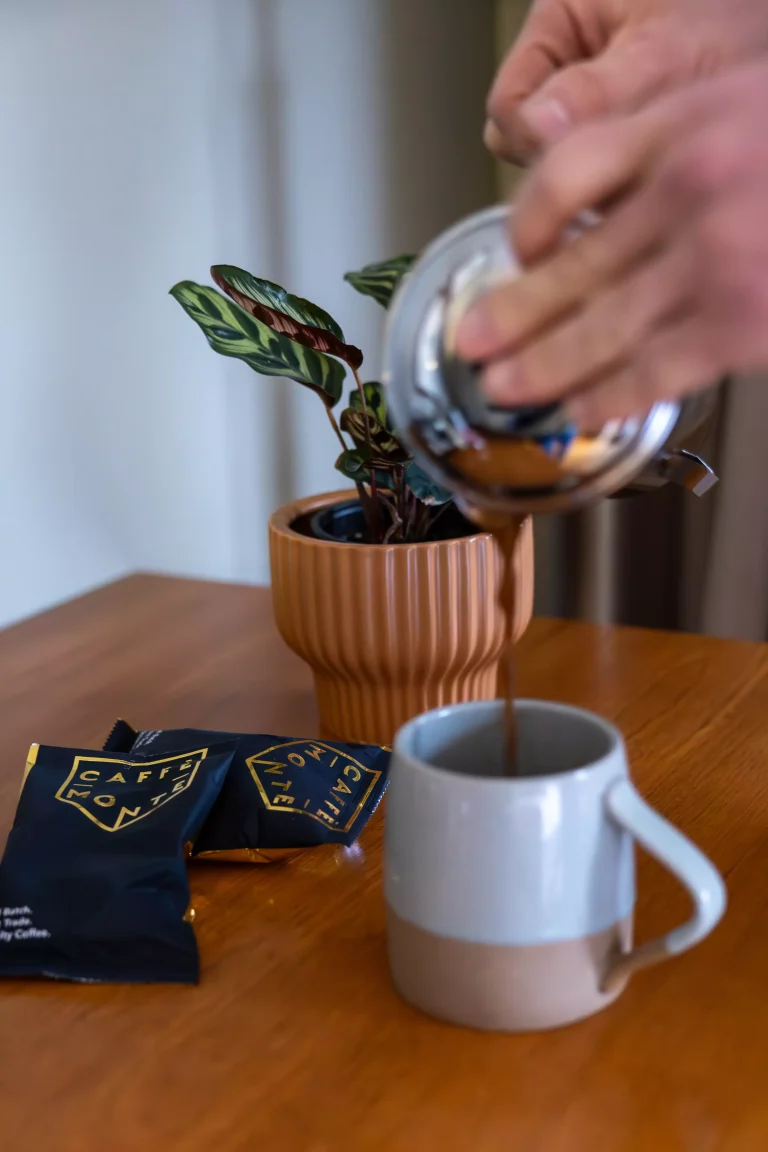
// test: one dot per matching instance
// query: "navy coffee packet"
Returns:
(281, 795)
(93, 882)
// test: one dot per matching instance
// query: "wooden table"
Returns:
(294, 1038)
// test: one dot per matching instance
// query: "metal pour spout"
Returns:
(689, 471)
(678, 466)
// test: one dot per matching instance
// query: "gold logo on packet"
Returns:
(277, 773)
(116, 793)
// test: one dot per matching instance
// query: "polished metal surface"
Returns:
(491, 457)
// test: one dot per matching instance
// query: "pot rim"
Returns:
(282, 518)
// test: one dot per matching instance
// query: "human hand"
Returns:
(579, 59)
(669, 290)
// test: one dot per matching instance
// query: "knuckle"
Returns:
(552, 187)
(532, 370)
(713, 235)
(691, 174)
(679, 364)
(586, 92)
(548, 368)
(652, 377)
(647, 391)
(729, 291)
(756, 295)
(565, 358)
(565, 170)
(615, 397)
(629, 322)
(710, 162)
(507, 310)
(737, 311)
(586, 260)
(580, 170)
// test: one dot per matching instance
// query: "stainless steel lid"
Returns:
(501, 459)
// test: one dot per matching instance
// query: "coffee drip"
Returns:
(506, 531)
(507, 538)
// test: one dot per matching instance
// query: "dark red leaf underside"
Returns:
(306, 334)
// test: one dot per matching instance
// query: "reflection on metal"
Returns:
(495, 458)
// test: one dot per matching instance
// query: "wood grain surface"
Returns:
(294, 1039)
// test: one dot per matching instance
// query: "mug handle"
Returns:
(684, 860)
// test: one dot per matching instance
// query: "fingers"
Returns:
(518, 138)
(506, 318)
(498, 143)
(564, 72)
(607, 333)
(676, 361)
(637, 67)
(600, 162)
(590, 167)
(550, 39)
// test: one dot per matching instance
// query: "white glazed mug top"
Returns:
(470, 739)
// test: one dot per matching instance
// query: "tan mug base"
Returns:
(500, 987)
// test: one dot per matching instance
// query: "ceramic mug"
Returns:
(510, 899)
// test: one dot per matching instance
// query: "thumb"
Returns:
(627, 76)
(551, 37)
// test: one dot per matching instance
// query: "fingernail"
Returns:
(474, 332)
(545, 118)
(502, 381)
(492, 136)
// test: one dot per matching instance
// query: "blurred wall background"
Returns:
(144, 141)
(141, 143)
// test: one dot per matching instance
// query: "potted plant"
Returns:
(390, 594)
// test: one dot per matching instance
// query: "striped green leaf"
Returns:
(273, 296)
(380, 280)
(352, 465)
(423, 486)
(231, 331)
(355, 464)
(299, 319)
(370, 434)
(374, 402)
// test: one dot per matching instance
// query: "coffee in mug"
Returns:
(510, 899)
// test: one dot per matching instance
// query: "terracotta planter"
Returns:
(394, 630)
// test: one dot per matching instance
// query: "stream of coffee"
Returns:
(492, 464)
(507, 537)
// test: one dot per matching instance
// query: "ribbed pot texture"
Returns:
(391, 630)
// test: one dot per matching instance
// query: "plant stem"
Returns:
(375, 498)
(378, 533)
(335, 427)
(366, 421)
(400, 491)
(411, 506)
(370, 511)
